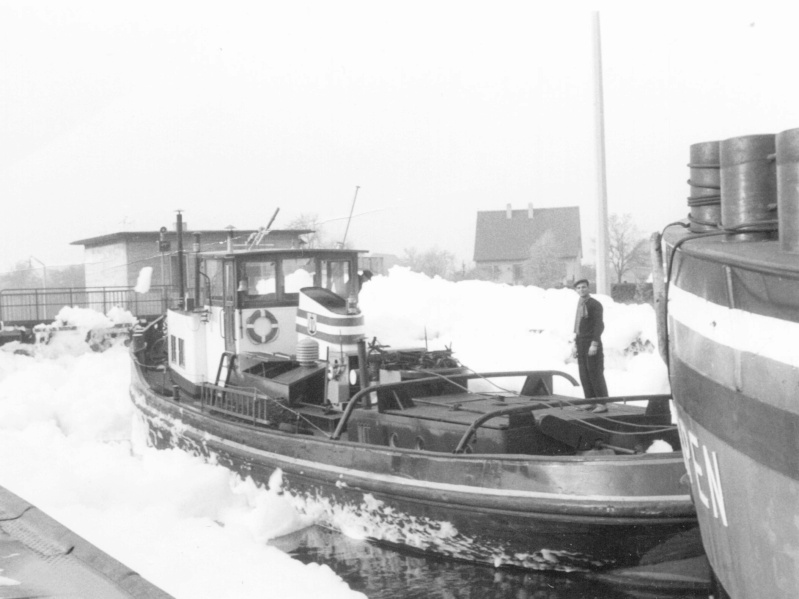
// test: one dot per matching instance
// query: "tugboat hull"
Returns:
(564, 513)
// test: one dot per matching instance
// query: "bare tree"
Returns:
(544, 268)
(433, 262)
(310, 222)
(67, 276)
(24, 276)
(628, 248)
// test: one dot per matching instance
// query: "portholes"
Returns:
(393, 440)
(419, 443)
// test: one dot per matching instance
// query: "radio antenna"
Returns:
(256, 238)
(346, 230)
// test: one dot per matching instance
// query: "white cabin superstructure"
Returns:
(254, 307)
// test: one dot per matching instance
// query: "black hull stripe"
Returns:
(764, 433)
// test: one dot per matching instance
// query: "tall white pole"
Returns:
(602, 282)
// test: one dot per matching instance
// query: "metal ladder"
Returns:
(226, 361)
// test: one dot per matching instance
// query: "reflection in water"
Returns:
(383, 573)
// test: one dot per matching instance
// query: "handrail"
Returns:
(356, 399)
(539, 405)
(62, 290)
(32, 305)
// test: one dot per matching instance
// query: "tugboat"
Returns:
(732, 273)
(266, 370)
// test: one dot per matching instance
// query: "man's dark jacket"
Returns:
(592, 325)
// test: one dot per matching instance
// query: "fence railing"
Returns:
(33, 306)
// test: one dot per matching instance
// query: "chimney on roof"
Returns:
(530, 211)
(508, 212)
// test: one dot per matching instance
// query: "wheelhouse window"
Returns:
(337, 277)
(260, 280)
(297, 273)
(276, 280)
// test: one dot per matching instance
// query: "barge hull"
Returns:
(733, 329)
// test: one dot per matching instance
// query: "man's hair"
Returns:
(582, 281)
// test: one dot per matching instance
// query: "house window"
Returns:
(518, 273)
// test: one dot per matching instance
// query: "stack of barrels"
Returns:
(748, 187)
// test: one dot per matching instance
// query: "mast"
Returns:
(343, 241)
(602, 282)
(181, 266)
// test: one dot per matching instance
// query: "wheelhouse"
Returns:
(248, 304)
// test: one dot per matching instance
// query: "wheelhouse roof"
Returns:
(282, 252)
(154, 235)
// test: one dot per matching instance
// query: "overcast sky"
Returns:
(114, 114)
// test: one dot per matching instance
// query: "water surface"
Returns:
(387, 573)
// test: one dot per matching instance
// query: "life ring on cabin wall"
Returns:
(254, 330)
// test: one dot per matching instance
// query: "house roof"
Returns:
(239, 234)
(499, 238)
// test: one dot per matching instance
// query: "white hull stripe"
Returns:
(333, 319)
(764, 336)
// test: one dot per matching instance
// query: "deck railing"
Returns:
(244, 404)
(34, 306)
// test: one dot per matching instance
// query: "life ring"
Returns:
(254, 335)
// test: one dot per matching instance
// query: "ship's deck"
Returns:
(762, 256)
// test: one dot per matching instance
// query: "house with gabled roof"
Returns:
(536, 246)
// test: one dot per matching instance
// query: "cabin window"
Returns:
(297, 274)
(337, 277)
(260, 279)
(173, 354)
(181, 353)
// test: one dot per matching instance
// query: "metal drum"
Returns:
(748, 186)
(788, 189)
(705, 198)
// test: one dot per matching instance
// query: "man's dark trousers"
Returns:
(592, 369)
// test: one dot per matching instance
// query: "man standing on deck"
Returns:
(588, 327)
